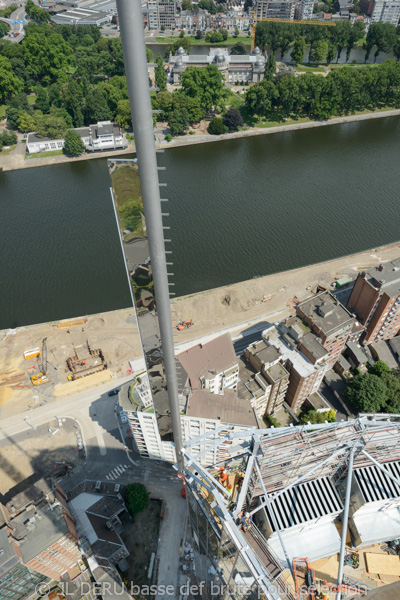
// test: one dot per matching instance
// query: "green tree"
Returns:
(216, 126)
(10, 84)
(205, 83)
(178, 121)
(367, 393)
(51, 126)
(393, 392)
(26, 122)
(4, 29)
(319, 52)
(136, 498)
(270, 68)
(96, 107)
(42, 101)
(233, 119)
(380, 367)
(259, 99)
(73, 145)
(236, 33)
(160, 75)
(163, 102)
(187, 5)
(8, 138)
(271, 421)
(238, 49)
(310, 415)
(299, 50)
(182, 33)
(149, 54)
(123, 117)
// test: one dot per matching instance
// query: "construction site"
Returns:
(305, 512)
(52, 360)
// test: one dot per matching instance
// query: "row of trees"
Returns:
(342, 92)
(377, 391)
(385, 37)
(37, 13)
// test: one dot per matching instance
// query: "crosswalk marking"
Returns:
(116, 472)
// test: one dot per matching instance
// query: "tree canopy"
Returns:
(136, 498)
(205, 83)
(73, 145)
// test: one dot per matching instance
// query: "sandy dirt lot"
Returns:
(115, 333)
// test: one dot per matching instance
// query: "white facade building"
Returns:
(386, 11)
(205, 413)
(304, 10)
(102, 136)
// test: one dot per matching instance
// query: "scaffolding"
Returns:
(276, 461)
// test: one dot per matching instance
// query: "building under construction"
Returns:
(307, 489)
(85, 361)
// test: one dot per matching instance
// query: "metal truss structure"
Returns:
(276, 460)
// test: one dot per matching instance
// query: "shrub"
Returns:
(136, 498)
(216, 126)
(168, 137)
(271, 421)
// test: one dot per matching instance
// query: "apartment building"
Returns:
(304, 10)
(159, 14)
(330, 321)
(385, 11)
(267, 360)
(304, 358)
(375, 300)
(212, 366)
(272, 9)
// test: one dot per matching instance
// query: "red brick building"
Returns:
(375, 299)
(331, 322)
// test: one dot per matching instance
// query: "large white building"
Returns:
(102, 136)
(386, 11)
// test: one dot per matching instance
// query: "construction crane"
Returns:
(259, 19)
(41, 377)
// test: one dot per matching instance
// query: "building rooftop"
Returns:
(227, 408)
(311, 343)
(206, 360)
(358, 352)
(394, 345)
(8, 557)
(277, 372)
(31, 495)
(39, 529)
(302, 365)
(326, 313)
(381, 351)
(106, 507)
(249, 387)
(386, 277)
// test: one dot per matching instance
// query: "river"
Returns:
(238, 209)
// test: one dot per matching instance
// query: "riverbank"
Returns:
(243, 307)
(16, 160)
(239, 309)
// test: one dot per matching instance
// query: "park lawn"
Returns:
(307, 69)
(8, 150)
(233, 101)
(31, 99)
(3, 110)
(45, 154)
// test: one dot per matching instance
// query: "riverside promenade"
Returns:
(16, 159)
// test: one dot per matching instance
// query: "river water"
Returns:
(238, 209)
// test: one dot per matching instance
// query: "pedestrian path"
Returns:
(117, 472)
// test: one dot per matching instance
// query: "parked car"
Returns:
(113, 392)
